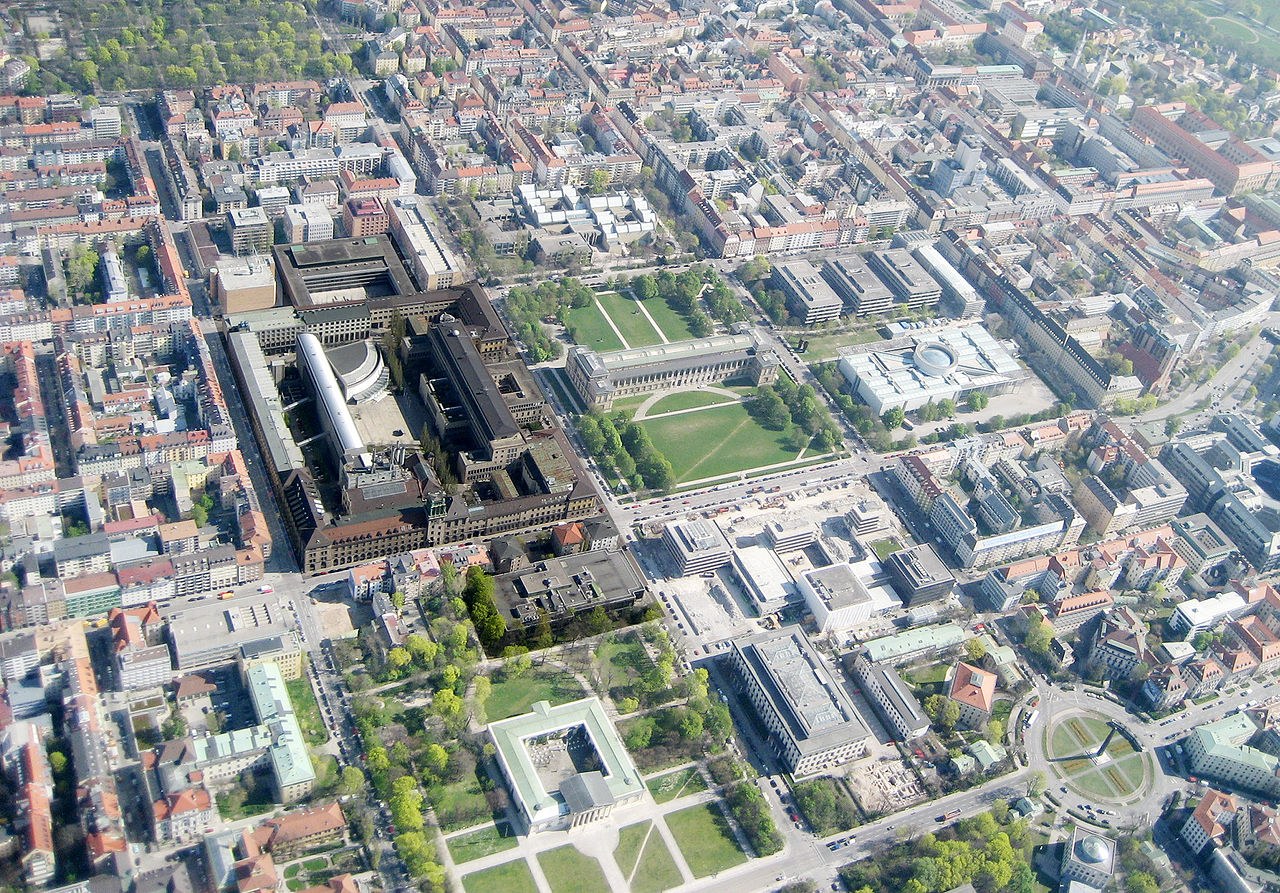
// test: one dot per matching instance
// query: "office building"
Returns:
(308, 222)
(842, 596)
(812, 723)
(892, 700)
(906, 278)
(696, 546)
(809, 297)
(564, 587)
(244, 284)
(857, 285)
(918, 575)
(1220, 751)
(364, 217)
(430, 260)
(252, 232)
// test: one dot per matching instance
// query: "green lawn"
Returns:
(686, 400)
(716, 442)
(486, 841)
(569, 871)
(591, 328)
(934, 674)
(307, 710)
(704, 838)
(316, 864)
(460, 804)
(676, 784)
(651, 869)
(515, 696)
(885, 548)
(626, 315)
(509, 877)
(671, 323)
(826, 347)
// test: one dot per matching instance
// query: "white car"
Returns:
(266, 589)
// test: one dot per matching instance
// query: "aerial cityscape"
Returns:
(627, 446)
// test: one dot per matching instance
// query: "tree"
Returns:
(932, 706)
(975, 649)
(542, 635)
(1037, 783)
(377, 759)
(175, 726)
(949, 715)
(436, 757)
(977, 401)
(351, 781)
(995, 731)
(399, 657)
(397, 600)
(894, 418)
(82, 266)
(1141, 882)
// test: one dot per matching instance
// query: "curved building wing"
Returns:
(331, 402)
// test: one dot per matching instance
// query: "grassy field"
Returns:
(827, 347)
(643, 857)
(569, 871)
(885, 548)
(686, 400)
(705, 839)
(933, 674)
(591, 328)
(514, 696)
(626, 315)
(486, 841)
(676, 784)
(671, 323)
(716, 442)
(460, 804)
(307, 710)
(509, 877)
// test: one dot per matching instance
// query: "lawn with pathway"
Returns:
(592, 329)
(643, 858)
(676, 784)
(630, 320)
(569, 871)
(715, 442)
(705, 839)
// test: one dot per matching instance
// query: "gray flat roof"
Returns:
(816, 711)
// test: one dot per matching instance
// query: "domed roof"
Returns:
(934, 358)
(1093, 849)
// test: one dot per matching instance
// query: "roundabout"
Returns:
(1094, 761)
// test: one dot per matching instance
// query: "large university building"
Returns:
(601, 378)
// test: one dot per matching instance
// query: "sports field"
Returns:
(716, 442)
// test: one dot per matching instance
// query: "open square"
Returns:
(509, 877)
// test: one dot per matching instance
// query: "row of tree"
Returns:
(751, 811)
(490, 625)
(797, 410)
(629, 450)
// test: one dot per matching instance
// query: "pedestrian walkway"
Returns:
(609, 320)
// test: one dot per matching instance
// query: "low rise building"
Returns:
(696, 546)
(565, 766)
(893, 702)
